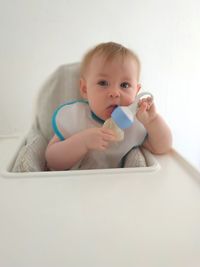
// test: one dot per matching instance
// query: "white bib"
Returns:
(76, 116)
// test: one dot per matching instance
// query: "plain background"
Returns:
(36, 36)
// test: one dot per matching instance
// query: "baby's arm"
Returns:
(159, 139)
(63, 155)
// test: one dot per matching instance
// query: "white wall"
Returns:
(38, 35)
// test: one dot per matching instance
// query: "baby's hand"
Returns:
(146, 111)
(98, 138)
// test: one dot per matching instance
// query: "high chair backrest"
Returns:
(60, 87)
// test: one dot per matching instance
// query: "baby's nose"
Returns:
(113, 93)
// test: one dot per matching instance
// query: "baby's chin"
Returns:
(105, 116)
(101, 115)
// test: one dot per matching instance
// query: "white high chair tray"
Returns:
(136, 217)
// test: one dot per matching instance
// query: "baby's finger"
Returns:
(152, 108)
(141, 101)
(107, 131)
(143, 106)
(149, 103)
(109, 138)
(149, 100)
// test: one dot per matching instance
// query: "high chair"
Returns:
(62, 86)
(134, 216)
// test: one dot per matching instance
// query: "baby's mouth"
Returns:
(111, 108)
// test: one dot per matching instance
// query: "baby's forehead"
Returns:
(104, 60)
(103, 64)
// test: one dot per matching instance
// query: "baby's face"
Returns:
(110, 84)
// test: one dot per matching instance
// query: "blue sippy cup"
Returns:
(122, 117)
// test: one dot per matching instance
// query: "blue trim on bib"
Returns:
(96, 118)
(54, 125)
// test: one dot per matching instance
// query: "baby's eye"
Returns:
(103, 83)
(124, 85)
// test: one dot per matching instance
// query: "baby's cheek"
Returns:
(128, 100)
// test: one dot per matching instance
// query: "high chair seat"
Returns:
(61, 86)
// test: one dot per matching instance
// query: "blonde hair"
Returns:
(109, 51)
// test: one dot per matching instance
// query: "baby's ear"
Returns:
(83, 88)
(138, 87)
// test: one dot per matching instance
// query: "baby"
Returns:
(109, 77)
